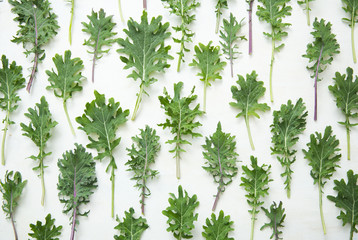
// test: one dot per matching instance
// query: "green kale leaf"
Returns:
(130, 228)
(218, 228)
(48, 231)
(277, 216)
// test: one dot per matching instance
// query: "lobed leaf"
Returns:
(277, 215)
(218, 228)
(48, 231)
(130, 228)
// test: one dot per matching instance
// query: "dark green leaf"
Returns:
(288, 123)
(146, 51)
(38, 25)
(220, 158)
(181, 118)
(346, 199)
(218, 229)
(143, 152)
(101, 33)
(277, 215)
(48, 231)
(181, 215)
(131, 228)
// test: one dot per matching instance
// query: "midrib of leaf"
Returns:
(72, 237)
(95, 53)
(177, 145)
(353, 213)
(6, 121)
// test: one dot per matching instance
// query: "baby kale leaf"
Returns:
(255, 182)
(323, 156)
(345, 91)
(181, 215)
(210, 64)
(39, 131)
(321, 52)
(247, 98)
(229, 35)
(143, 152)
(273, 11)
(11, 190)
(218, 228)
(181, 119)
(11, 81)
(131, 227)
(100, 122)
(183, 9)
(221, 159)
(146, 52)
(288, 123)
(76, 182)
(48, 231)
(277, 216)
(347, 196)
(67, 80)
(38, 25)
(101, 35)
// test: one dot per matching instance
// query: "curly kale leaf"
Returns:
(255, 182)
(146, 51)
(220, 5)
(101, 35)
(323, 156)
(182, 119)
(218, 228)
(351, 7)
(229, 35)
(321, 51)
(247, 98)
(11, 190)
(143, 152)
(345, 91)
(48, 231)
(67, 80)
(209, 63)
(181, 214)
(131, 227)
(288, 123)
(39, 131)
(347, 196)
(277, 216)
(100, 122)
(11, 81)
(306, 8)
(38, 25)
(221, 159)
(76, 182)
(273, 11)
(183, 9)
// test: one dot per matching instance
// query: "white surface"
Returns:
(291, 80)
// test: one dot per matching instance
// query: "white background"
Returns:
(291, 80)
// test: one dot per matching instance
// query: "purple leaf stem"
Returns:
(13, 225)
(95, 56)
(145, 4)
(315, 84)
(34, 68)
(220, 189)
(75, 209)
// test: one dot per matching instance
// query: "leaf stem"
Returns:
(252, 223)
(68, 118)
(348, 141)
(4, 136)
(216, 199)
(120, 11)
(95, 55)
(321, 210)
(352, 39)
(250, 26)
(271, 65)
(145, 4)
(138, 101)
(72, 237)
(308, 12)
(249, 132)
(181, 52)
(204, 103)
(13, 226)
(112, 201)
(34, 67)
(71, 20)
(177, 161)
(315, 83)
(42, 181)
